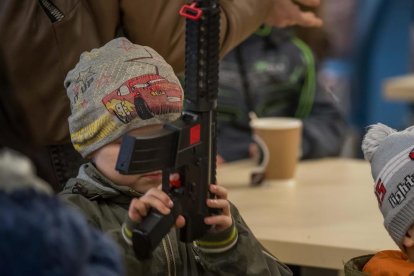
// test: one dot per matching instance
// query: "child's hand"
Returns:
(153, 198)
(223, 220)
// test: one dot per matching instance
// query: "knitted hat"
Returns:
(391, 154)
(40, 235)
(117, 88)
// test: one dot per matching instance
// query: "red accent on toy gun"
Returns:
(186, 146)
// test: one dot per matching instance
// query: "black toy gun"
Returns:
(186, 146)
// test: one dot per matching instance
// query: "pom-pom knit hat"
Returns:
(117, 88)
(391, 154)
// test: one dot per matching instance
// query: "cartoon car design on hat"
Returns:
(144, 96)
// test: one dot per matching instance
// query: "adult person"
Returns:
(43, 39)
(277, 73)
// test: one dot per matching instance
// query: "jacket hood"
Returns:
(92, 184)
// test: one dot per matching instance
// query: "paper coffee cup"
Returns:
(281, 137)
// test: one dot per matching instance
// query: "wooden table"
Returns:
(399, 88)
(325, 216)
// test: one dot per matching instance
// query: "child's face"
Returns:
(105, 160)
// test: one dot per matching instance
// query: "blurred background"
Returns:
(365, 59)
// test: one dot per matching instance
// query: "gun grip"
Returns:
(148, 234)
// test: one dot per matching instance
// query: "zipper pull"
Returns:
(51, 10)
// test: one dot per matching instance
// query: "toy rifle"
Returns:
(186, 146)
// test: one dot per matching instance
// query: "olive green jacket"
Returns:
(355, 265)
(105, 205)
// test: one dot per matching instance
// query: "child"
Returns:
(39, 235)
(125, 88)
(391, 154)
(273, 74)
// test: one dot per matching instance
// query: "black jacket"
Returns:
(279, 73)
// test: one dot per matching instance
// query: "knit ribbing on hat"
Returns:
(117, 88)
(396, 195)
(399, 223)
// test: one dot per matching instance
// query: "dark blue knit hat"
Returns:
(40, 235)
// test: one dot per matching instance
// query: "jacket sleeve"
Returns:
(246, 257)
(325, 128)
(159, 25)
(324, 124)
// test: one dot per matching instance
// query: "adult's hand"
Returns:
(287, 13)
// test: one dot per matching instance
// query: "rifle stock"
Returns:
(186, 146)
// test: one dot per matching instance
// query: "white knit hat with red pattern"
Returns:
(117, 88)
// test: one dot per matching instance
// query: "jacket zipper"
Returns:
(169, 254)
(51, 10)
